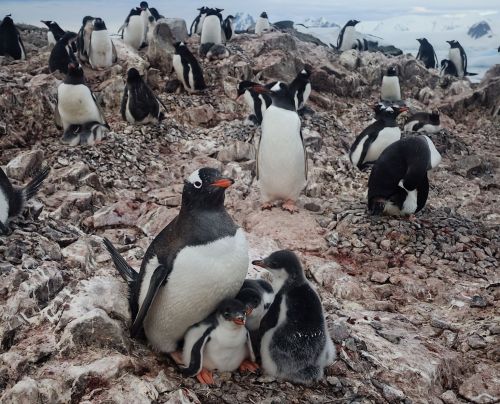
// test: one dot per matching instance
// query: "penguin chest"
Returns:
(385, 138)
(267, 343)
(390, 89)
(349, 39)
(76, 105)
(226, 349)
(179, 68)
(101, 53)
(50, 38)
(134, 32)
(262, 25)
(435, 158)
(4, 206)
(202, 276)
(249, 101)
(456, 59)
(305, 95)
(211, 31)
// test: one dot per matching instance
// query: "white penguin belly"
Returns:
(179, 70)
(128, 115)
(409, 126)
(430, 128)
(262, 25)
(349, 39)
(390, 89)
(268, 364)
(211, 31)
(305, 96)
(76, 105)
(281, 160)
(50, 38)
(226, 349)
(249, 101)
(201, 278)
(145, 21)
(435, 156)
(134, 32)
(456, 59)
(101, 49)
(4, 207)
(385, 138)
(410, 203)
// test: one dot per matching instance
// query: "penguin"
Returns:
(211, 31)
(447, 67)
(188, 69)
(295, 344)
(375, 138)
(199, 259)
(348, 36)
(301, 89)
(262, 24)
(258, 294)
(217, 52)
(152, 21)
(426, 54)
(145, 15)
(458, 57)
(62, 53)
(83, 41)
(76, 104)
(423, 122)
(228, 27)
(398, 184)
(257, 103)
(55, 32)
(11, 43)
(390, 90)
(139, 103)
(13, 199)
(132, 29)
(198, 21)
(102, 52)
(90, 133)
(220, 342)
(281, 156)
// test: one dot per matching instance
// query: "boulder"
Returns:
(161, 47)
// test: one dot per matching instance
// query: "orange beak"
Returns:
(404, 109)
(239, 321)
(260, 89)
(223, 182)
(259, 263)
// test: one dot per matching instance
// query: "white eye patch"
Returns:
(276, 87)
(195, 179)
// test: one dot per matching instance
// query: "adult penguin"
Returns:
(228, 27)
(198, 21)
(262, 25)
(145, 14)
(188, 69)
(83, 41)
(54, 33)
(426, 54)
(198, 260)
(301, 88)
(11, 43)
(62, 53)
(458, 57)
(211, 31)
(348, 36)
(102, 52)
(390, 90)
(257, 103)
(132, 29)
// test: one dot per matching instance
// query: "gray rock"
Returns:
(379, 277)
(475, 341)
(161, 47)
(449, 397)
(177, 27)
(25, 164)
(237, 151)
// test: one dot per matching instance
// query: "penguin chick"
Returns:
(220, 342)
(217, 52)
(87, 134)
(102, 52)
(13, 199)
(447, 67)
(423, 122)
(300, 88)
(295, 344)
(390, 90)
(139, 103)
(258, 294)
(188, 69)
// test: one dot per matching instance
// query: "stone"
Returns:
(25, 164)
(43, 283)
(478, 301)
(449, 397)
(129, 57)
(350, 59)
(112, 92)
(23, 392)
(72, 174)
(379, 277)
(237, 151)
(161, 47)
(201, 115)
(183, 396)
(178, 28)
(475, 341)
(482, 387)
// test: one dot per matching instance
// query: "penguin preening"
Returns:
(11, 43)
(83, 41)
(199, 259)
(90, 133)
(139, 103)
(447, 67)
(102, 52)
(13, 199)
(348, 36)
(390, 90)
(132, 29)
(220, 342)
(426, 54)
(262, 25)
(295, 344)
(375, 138)
(198, 21)
(398, 183)
(62, 53)
(54, 33)
(257, 103)
(228, 27)
(188, 69)
(458, 57)
(281, 155)
(423, 122)
(301, 88)
(211, 31)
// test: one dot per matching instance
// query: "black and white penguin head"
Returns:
(7, 21)
(87, 19)
(454, 44)
(230, 18)
(423, 41)
(232, 311)
(69, 37)
(280, 94)
(263, 15)
(181, 48)
(391, 71)
(284, 266)
(388, 112)
(377, 205)
(305, 73)
(352, 23)
(99, 25)
(250, 298)
(75, 74)
(434, 117)
(203, 10)
(205, 189)
(144, 5)
(133, 75)
(244, 86)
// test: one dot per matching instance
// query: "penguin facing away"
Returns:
(55, 32)
(132, 29)
(257, 103)
(62, 53)
(13, 199)
(228, 27)
(458, 57)
(83, 41)
(139, 103)
(423, 122)
(295, 344)
(102, 52)
(427, 54)
(220, 342)
(211, 31)
(198, 21)
(262, 24)
(348, 36)
(447, 67)
(11, 43)
(398, 184)
(390, 90)
(87, 134)
(301, 88)
(199, 259)
(188, 69)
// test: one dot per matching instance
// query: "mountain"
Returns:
(243, 21)
(479, 30)
(320, 22)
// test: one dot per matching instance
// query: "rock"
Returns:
(392, 394)
(156, 219)
(25, 164)
(178, 28)
(23, 392)
(161, 47)
(340, 332)
(202, 115)
(43, 283)
(449, 397)
(112, 92)
(183, 396)
(283, 67)
(379, 277)
(475, 341)
(153, 78)
(237, 151)
(349, 59)
(478, 301)
(129, 57)
(482, 387)
(120, 213)
(72, 174)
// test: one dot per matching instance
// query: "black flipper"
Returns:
(125, 270)
(196, 362)
(123, 106)
(34, 185)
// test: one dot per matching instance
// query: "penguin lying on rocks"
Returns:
(423, 122)
(90, 133)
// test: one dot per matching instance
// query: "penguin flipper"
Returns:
(305, 155)
(126, 271)
(196, 362)
(103, 118)
(123, 105)
(57, 118)
(269, 320)
(34, 185)
(422, 193)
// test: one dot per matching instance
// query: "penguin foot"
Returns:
(205, 377)
(267, 206)
(177, 357)
(248, 366)
(289, 206)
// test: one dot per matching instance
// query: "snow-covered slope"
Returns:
(243, 21)
(321, 22)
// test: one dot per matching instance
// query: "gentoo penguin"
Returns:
(198, 21)
(13, 199)
(301, 89)
(55, 32)
(139, 104)
(423, 122)
(260, 295)
(87, 134)
(11, 43)
(398, 183)
(132, 29)
(228, 27)
(348, 36)
(281, 156)
(295, 344)
(198, 260)
(262, 24)
(220, 342)
(375, 138)
(426, 54)
(188, 69)
(458, 57)
(152, 21)
(145, 14)
(102, 52)
(390, 90)
(447, 67)
(257, 103)
(211, 31)
(76, 104)
(83, 41)
(217, 52)
(62, 53)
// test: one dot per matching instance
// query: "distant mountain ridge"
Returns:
(243, 21)
(479, 30)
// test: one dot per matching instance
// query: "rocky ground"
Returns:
(413, 306)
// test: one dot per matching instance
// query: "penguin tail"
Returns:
(470, 74)
(125, 270)
(34, 185)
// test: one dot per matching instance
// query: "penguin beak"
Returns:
(223, 182)
(260, 89)
(260, 263)
(404, 109)
(240, 320)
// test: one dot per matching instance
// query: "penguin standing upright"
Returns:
(55, 32)
(62, 53)
(188, 69)
(83, 41)
(390, 90)
(211, 31)
(89, 133)
(13, 199)
(458, 57)
(282, 156)
(426, 54)
(139, 104)
(76, 105)
(295, 344)
(301, 89)
(132, 29)
(257, 103)
(198, 260)
(423, 122)
(228, 27)
(102, 52)
(198, 21)
(398, 183)
(375, 138)
(145, 14)
(262, 24)
(348, 36)
(220, 342)
(11, 43)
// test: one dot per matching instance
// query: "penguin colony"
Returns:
(191, 298)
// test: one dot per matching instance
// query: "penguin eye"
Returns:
(197, 184)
